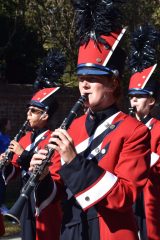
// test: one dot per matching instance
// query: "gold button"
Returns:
(99, 60)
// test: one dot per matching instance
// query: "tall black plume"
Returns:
(51, 70)
(144, 44)
(95, 18)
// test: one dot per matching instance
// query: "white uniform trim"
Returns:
(148, 77)
(98, 191)
(149, 123)
(94, 152)
(154, 158)
(54, 90)
(31, 146)
(100, 129)
(47, 201)
(114, 46)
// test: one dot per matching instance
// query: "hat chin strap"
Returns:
(115, 73)
(45, 112)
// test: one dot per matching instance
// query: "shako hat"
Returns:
(44, 98)
(142, 61)
(46, 83)
(99, 31)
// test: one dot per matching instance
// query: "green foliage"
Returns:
(30, 27)
(11, 230)
(54, 21)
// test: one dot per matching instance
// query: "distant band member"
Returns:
(143, 94)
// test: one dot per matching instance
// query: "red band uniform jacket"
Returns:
(104, 179)
(20, 164)
(152, 188)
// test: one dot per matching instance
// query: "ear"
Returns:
(115, 83)
(152, 101)
(44, 116)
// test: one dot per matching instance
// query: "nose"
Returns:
(85, 84)
(28, 112)
(133, 98)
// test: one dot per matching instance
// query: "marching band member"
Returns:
(37, 115)
(105, 153)
(143, 94)
(40, 109)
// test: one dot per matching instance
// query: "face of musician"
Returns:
(143, 104)
(99, 89)
(37, 117)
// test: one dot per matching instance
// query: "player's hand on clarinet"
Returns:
(62, 142)
(38, 159)
(16, 148)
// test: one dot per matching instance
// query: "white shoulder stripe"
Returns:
(30, 146)
(154, 159)
(98, 191)
(100, 129)
(94, 152)
(148, 123)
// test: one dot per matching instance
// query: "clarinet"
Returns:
(16, 210)
(8, 154)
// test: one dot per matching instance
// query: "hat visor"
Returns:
(92, 71)
(36, 104)
(139, 91)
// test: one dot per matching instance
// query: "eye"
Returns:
(35, 111)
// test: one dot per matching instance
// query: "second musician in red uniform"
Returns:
(143, 93)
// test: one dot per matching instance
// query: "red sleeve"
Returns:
(132, 170)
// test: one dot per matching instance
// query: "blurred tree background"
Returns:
(28, 28)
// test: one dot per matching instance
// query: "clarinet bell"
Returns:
(11, 218)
